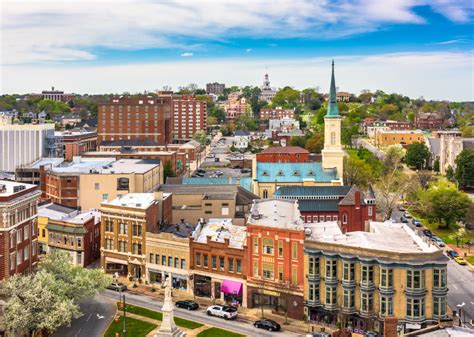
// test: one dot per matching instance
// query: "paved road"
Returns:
(239, 325)
(89, 325)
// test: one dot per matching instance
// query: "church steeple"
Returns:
(333, 110)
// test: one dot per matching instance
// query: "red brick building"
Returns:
(189, 116)
(18, 228)
(218, 261)
(277, 113)
(286, 154)
(136, 118)
(348, 205)
(275, 249)
(72, 143)
(430, 120)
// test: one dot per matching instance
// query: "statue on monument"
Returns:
(168, 327)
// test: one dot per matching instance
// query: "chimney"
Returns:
(357, 198)
(226, 241)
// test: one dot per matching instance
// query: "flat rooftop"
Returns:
(10, 185)
(133, 200)
(220, 229)
(387, 236)
(106, 165)
(46, 161)
(276, 213)
(56, 212)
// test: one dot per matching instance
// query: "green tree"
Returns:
(49, 298)
(168, 170)
(467, 131)
(315, 143)
(393, 157)
(357, 172)
(436, 165)
(464, 173)
(450, 173)
(287, 98)
(458, 236)
(200, 137)
(417, 155)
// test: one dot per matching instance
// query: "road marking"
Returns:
(77, 333)
(455, 287)
(88, 317)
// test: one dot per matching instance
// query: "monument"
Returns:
(168, 328)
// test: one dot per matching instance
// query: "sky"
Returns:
(412, 47)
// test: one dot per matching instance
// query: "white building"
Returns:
(240, 142)
(268, 92)
(449, 148)
(24, 144)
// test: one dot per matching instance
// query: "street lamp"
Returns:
(122, 298)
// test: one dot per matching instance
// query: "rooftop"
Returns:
(106, 165)
(312, 191)
(219, 230)
(402, 131)
(56, 212)
(181, 229)
(284, 149)
(293, 172)
(276, 213)
(9, 188)
(46, 161)
(133, 200)
(386, 236)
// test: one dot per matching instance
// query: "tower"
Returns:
(333, 156)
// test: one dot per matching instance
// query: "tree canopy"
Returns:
(417, 155)
(464, 173)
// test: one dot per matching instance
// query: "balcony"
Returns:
(367, 285)
(331, 279)
(314, 303)
(440, 291)
(367, 313)
(416, 291)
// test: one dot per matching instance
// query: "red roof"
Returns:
(285, 149)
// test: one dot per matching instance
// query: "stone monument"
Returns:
(168, 328)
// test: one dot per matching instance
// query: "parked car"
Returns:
(222, 311)
(200, 171)
(460, 260)
(318, 334)
(438, 241)
(117, 286)
(427, 232)
(401, 208)
(403, 219)
(219, 173)
(245, 170)
(200, 175)
(452, 253)
(267, 324)
(417, 223)
(187, 304)
(407, 215)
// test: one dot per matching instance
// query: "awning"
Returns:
(115, 260)
(231, 287)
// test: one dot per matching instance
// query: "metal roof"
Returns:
(294, 172)
(318, 205)
(311, 191)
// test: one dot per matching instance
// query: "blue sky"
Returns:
(415, 47)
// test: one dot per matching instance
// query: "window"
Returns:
(370, 211)
(386, 277)
(294, 275)
(255, 245)
(221, 263)
(26, 232)
(26, 253)
(331, 268)
(176, 262)
(386, 306)
(19, 255)
(214, 262)
(439, 278)
(152, 258)
(334, 218)
(109, 244)
(157, 258)
(205, 261)
(415, 308)
(97, 186)
(415, 279)
(294, 250)
(367, 274)
(255, 268)
(331, 295)
(344, 218)
(105, 197)
(79, 242)
(280, 248)
(18, 236)
(122, 184)
(183, 264)
(137, 230)
(267, 246)
(71, 241)
(321, 218)
(163, 259)
(109, 226)
(170, 261)
(12, 261)
(230, 263)
(313, 292)
(366, 302)
(238, 266)
(333, 138)
(439, 306)
(122, 246)
(313, 266)
(265, 193)
(328, 218)
(280, 273)
(267, 270)
(348, 271)
(137, 248)
(348, 299)
(43, 232)
(123, 228)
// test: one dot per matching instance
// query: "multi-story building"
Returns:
(450, 146)
(361, 278)
(428, 120)
(267, 92)
(275, 267)
(124, 223)
(215, 88)
(30, 174)
(194, 202)
(343, 96)
(348, 205)
(18, 228)
(218, 261)
(283, 129)
(168, 255)
(136, 118)
(71, 143)
(236, 105)
(399, 137)
(189, 116)
(85, 182)
(21, 145)
(286, 154)
(54, 95)
(276, 113)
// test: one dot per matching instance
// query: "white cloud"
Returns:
(435, 75)
(187, 54)
(39, 31)
(451, 41)
(248, 50)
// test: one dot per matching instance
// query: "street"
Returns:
(98, 313)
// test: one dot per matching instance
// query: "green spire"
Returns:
(333, 110)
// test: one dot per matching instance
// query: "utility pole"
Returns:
(124, 314)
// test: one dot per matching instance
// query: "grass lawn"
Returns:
(352, 153)
(444, 233)
(134, 328)
(216, 332)
(470, 259)
(159, 316)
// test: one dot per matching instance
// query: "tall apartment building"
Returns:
(215, 88)
(18, 228)
(361, 278)
(189, 116)
(142, 118)
(21, 145)
(124, 223)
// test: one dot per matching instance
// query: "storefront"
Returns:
(202, 285)
(178, 282)
(113, 265)
(232, 291)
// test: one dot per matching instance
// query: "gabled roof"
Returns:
(312, 191)
(294, 172)
(284, 149)
(349, 199)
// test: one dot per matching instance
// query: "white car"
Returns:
(222, 311)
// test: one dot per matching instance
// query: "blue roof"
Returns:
(293, 172)
(318, 205)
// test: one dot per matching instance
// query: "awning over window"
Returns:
(231, 287)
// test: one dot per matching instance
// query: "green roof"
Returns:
(66, 229)
(333, 110)
(318, 205)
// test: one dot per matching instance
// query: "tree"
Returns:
(389, 189)
(200, 137)
(316, 143)
(464, 173)
(417, 155)
(168, 170)
(48, 299)
(393, 157)
(357, 172)
(287, 97)
(436, 165)
(348, 132)
(459, 235)
(450, 173)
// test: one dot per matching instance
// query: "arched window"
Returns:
(333, 138)
(344, 218)
(265, 194)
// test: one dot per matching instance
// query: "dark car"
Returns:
(200, 175)
(403, 219)
(245, 170)
(187, 304)
(427, 232)
(417, 223)
(201, 171)
(452, 254)
(117, 286)
(267, 324)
